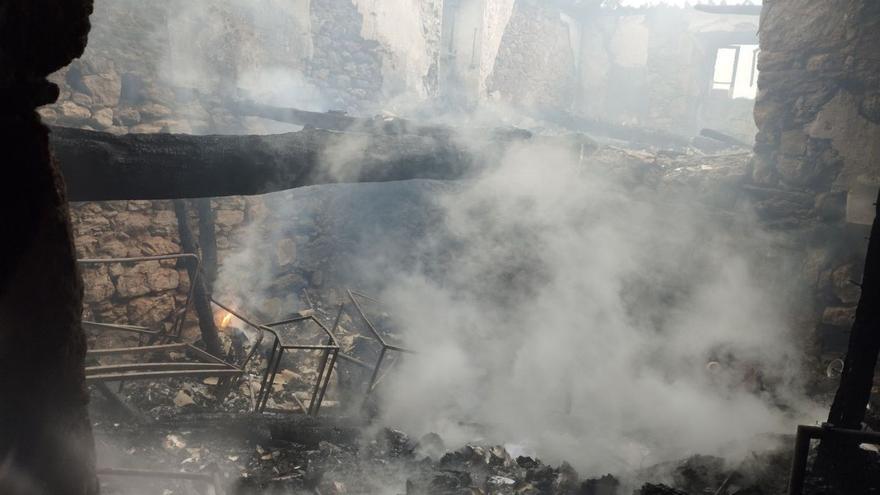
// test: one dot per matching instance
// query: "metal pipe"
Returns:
(326, 381)
(126, 350)
(117, 326)
(364, 316)
(799, 461)
(802, 449)
(113, 377)
(273, 375)
(268, 367)
(354, 360)
(154, 366)
(321, 370)
(149, 473)
(292, 319)
(375, 372)
(266, 388)
(270, 363)
(338, 317)
(296, 347)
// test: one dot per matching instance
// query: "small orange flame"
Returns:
(225, 320)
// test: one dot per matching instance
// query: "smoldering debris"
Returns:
(246, 455)
(211, 444)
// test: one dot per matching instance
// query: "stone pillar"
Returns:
(46, 444)
(818, 145)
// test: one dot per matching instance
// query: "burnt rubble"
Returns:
(193, 436)
(266, 454)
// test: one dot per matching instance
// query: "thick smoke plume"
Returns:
(577, 317)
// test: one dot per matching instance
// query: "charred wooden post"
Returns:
(46, 443)
(201, 297)
(851, 399)
(857, 378)
(207, 241)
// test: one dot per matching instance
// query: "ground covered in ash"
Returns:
(293, 453)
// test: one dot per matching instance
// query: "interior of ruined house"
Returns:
(338, 247)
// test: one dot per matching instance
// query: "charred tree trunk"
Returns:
(46, 444)
(201, 297)
(207, 241)
(854, 391)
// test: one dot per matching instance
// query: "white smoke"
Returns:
(577, 316)
(253, 50)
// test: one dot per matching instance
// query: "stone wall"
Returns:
(131, 77)
(173, 66)
(819, 139)
(535, 64)
(344, 63)
(653, 67)
(177, 66)
(649, 67)
(150, 293)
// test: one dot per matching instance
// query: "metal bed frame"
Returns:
(208, 365)
(375, 378)
(279, 347)
(157, 341)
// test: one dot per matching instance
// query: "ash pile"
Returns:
(244, 455)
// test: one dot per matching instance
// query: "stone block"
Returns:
(102, 119)
(154, 111)
(793, 143)
(70, 111)
(163, 279)
(150, 311)
(285, 252)
(97, 284)
(839, 316)
(229, 218)
(128, 116)
(843, 283)
(104, 88)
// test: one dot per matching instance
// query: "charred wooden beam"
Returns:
(729, 9)
(724, 138)
(339, 121)
(334, 121)
(99, 166)
(633, 134)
